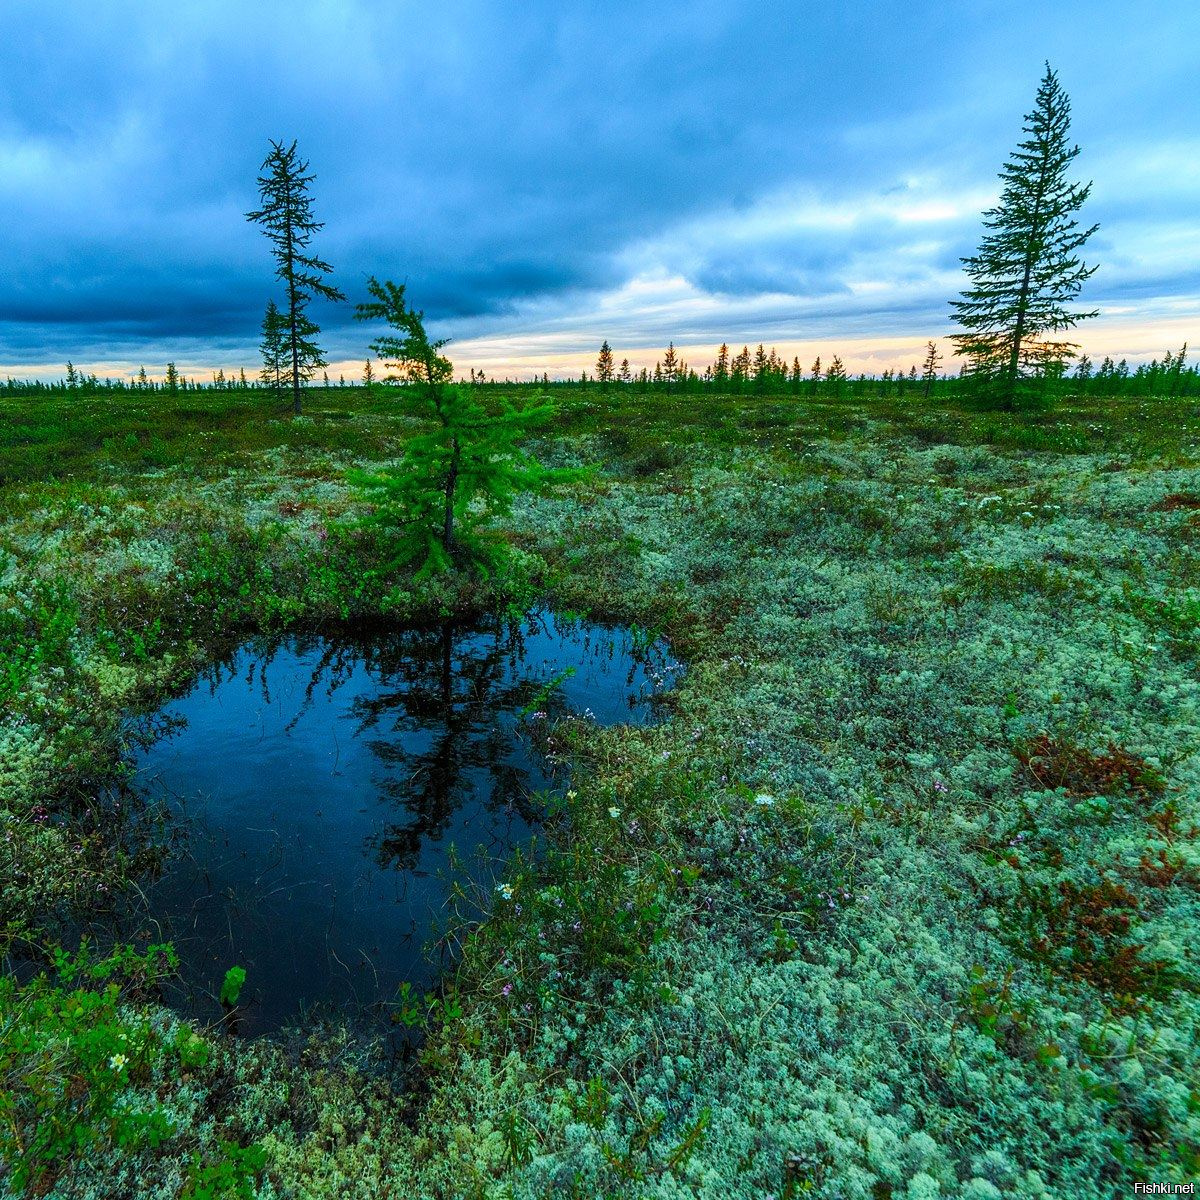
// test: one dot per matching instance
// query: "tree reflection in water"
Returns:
(298, 754)
(465, 702)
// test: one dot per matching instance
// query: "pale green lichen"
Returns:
(831, 994)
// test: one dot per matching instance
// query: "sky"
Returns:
(547, 175)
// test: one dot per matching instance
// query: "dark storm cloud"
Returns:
(497, 156)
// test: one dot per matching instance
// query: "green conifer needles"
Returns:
(465, 468)
(287, 219)
(1026, 270)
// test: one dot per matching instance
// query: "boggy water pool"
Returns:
(319, 784)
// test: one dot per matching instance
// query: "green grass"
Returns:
(902, 902)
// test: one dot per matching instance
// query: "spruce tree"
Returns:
(929, 372)
(739, 371)
(434, 504)
(1175, 375)
(759, 368)
(287, 220)
(604, 366)
(721, 369)
(670, 367)
(1026, 270)
(835, 376)
(273, 349)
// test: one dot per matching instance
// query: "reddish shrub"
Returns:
(1058, 764)
(1175, 501)
(1085, 930)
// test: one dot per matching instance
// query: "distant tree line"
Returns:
(761, 373)
(172, 381)
(766, 373)
(1014, 313)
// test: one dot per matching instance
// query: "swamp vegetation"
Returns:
(901, 902)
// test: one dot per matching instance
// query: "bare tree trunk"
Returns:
(295, 347)
(1019, 332)
(1033, 250)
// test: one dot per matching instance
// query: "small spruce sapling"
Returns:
(273, 349)
(435, 502)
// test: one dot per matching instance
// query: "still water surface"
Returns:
(321, 783)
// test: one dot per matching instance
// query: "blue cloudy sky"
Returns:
(548, 174)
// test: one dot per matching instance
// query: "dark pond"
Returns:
(328, 792)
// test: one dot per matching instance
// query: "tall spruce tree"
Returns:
(1027, 269)
(287, 220)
